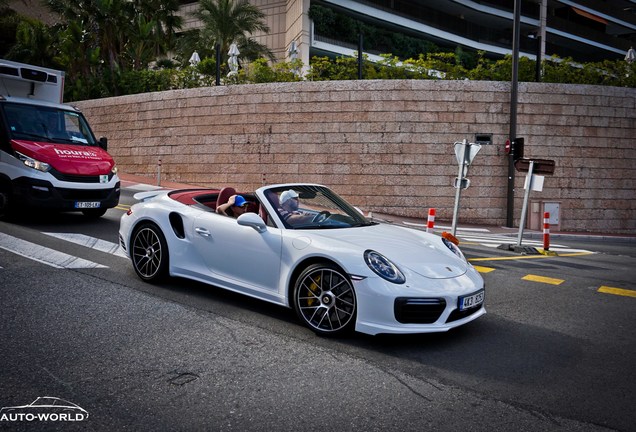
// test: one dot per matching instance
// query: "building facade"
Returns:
(585, 30)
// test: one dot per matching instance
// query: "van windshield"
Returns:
(47, 124)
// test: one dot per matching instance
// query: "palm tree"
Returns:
(122, 27)
(33, 45)
(232, 21)
(162, 16)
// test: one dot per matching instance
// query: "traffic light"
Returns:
(517, 148)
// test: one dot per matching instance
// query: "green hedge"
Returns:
(448, 66)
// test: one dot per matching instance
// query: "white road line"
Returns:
(44, 255)
(90, 242)
(142, 187)
(445, 227)
(495, 240)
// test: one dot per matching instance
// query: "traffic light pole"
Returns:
(513, 114)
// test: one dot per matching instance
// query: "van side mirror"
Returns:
(103, 143)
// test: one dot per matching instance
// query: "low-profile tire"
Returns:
(149, 253)
(5, 203)
(94, 213)
(324, 300)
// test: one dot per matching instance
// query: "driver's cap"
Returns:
(287, 195)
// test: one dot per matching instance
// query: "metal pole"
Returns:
(537, 69)
(513, 114)
(526, 198)
(218, 64)
(360, 58)
(460, 176)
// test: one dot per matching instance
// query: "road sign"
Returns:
(541, 166)
(466, 156)
(463, 184)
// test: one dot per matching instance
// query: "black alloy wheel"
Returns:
(325, 300)
(149, 253)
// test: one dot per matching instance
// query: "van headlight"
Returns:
(114, 169)
(33, 163)
(383, 267)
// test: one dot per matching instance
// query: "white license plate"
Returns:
(87, 204)
(470, 301)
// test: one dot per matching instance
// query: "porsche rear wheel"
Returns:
(325, 300)
(149, 253)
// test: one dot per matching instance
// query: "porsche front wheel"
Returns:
(149, 253)
(325, 300)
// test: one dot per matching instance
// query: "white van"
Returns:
(49, 157)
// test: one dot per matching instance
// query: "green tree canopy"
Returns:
(232, 21)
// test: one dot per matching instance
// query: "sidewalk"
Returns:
(130, 181)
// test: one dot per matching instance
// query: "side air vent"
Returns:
(177, 225)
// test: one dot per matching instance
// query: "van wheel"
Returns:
(94, 213)
(5, 201)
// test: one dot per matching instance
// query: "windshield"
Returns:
(47, 124)
(314, 207)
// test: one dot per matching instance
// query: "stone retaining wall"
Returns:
(387, 146)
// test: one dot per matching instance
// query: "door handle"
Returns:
(202, 232)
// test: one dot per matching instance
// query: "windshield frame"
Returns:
(312, 200)
(48, 124)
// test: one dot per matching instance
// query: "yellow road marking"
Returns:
(509, 258)
(122, 207)
(617, 291)
(543, 279)
(481, 269)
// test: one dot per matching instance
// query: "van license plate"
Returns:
(87, 204)
(469, 301)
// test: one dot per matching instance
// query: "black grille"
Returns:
(77, 178)
(418, 310)
(85, 194)
(457, 314)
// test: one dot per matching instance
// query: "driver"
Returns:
(288, 210)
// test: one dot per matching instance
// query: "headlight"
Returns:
(453, 248)
(33, 163)
(383, 267)
(114, 170)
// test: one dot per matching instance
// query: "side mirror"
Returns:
(252, 220)
(103, 143)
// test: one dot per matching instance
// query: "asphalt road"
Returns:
(555, 352)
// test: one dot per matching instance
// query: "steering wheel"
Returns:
(321, 217)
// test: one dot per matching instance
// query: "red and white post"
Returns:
(430, 223)
(546, 231)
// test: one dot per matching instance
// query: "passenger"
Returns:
(234, 207)
(288, 210)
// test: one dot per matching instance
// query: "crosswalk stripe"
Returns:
(43, 254)
(90, 242)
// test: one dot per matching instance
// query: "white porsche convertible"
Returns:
(304, 247)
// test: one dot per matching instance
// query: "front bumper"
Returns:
(38, 193)
(387, 308)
